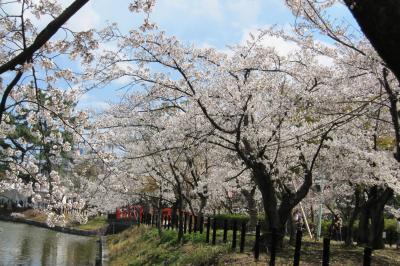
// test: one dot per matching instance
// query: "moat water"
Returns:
(22, 244)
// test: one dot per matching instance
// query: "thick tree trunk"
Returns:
(159, 214)
(292, 230)
(379, 20)
(251, 207)
(180, 222)
(349, 229)
(277, 215)
(371, 223)
(203, 204)
(376, 229)
(174, 213)
(378, 201)
(362, 237)
(352, 218)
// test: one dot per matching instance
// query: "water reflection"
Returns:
(22, 244)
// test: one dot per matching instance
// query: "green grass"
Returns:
(143, 246)
(93, 223)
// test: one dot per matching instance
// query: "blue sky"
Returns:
(215, 23)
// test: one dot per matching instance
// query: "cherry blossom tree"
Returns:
(254, 103)
(40, 92)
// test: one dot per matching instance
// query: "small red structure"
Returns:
(130, 212)
(136, 212)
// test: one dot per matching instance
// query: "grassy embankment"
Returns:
(142, 246)
(93, 223)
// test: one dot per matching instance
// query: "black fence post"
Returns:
(208, 230)
(367, 256)
(169, 222)
(185, 224)
(214, 236)
(273, 247)
(190, 224)
(225, 236)
(201, 225)
(257, 243)
(164, 220)
(195, 224)
(234, 234)
(325, 254)
(242, 236)
(296, 260)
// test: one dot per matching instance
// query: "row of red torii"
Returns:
(136, 213)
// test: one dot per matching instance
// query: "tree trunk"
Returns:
(363, 227)
(379, 20)
(349, 229)
(251, 207)
(376, 229)
(292, 230)
(203, 204)
(159, 214)
(180, 222)
(379, 199)
(277, 215)
(352, 218)
(174, 213)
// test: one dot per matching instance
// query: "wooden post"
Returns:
(185, 224)
(325, 253)
(273, 247)
(242, 236)
(234, 234)
(257, 243)
(367, 256)
(214, 236)
(201, 224)
(195, 224)
(190, 224)
(296, 260)
(208, 230)
(225, 236)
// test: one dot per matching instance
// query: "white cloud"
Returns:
(284, 47)
(90, 102)
(281, 46)
(85, 19)
(245, 11)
